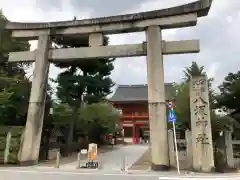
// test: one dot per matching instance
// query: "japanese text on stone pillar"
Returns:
(200, 109)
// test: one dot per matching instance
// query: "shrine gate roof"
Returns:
(131, 93)
(201, 7)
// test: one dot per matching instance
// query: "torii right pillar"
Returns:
(156, 100)
(156, 91)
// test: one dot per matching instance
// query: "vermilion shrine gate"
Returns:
(132, 100)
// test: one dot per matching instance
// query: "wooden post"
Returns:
(172, 158)
(58, 160)
(123, 163)
(78, 160)
(134, 133)
(7, 148)
(100, 164)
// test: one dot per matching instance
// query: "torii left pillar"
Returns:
(29, 150)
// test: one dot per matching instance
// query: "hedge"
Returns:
(16, 132)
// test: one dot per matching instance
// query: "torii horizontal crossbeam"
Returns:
(70, 54)
(112, 28)
(200, 7)
(174, 17)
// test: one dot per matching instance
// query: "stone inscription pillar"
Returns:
(33, 129)
(156, 100)
(203, 159)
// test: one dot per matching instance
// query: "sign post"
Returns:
(172, 118)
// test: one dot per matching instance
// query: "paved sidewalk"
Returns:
(72, 158)
(143, 163)
(113, 160)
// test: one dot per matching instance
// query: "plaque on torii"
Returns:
(152, 22)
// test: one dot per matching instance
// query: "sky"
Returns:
(218, 33)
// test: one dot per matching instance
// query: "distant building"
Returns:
(132, 101)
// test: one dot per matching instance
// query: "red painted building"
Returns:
(132, 100)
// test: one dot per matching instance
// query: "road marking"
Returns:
(198, 177)
(174, 177)
(76, 173)
(116, 169)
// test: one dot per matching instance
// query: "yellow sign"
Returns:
(92, 151)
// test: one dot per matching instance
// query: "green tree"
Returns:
(90, 77)
(196, 70)
(13, 82)
(182, 108)
(86, 80)
(62, 113)
(183, 103)
(193, 70)
(99, 118)
(229, 97)
(7, 43)
(92, 119)
(229, 100)
(183, 94)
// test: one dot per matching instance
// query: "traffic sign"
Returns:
(170, 105)
(171, 116)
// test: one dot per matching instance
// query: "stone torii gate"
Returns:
(152, 22)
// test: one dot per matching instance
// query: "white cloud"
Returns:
(219, 39)
(222, 7)
(212, 70)
(218, 34)
(136, 67)
(27, 11)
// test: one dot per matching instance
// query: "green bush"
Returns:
(16, 132)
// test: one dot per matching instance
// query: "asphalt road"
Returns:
(51, 174)
(27, 175)
(111, 170)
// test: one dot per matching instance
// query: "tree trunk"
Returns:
(70, 136)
